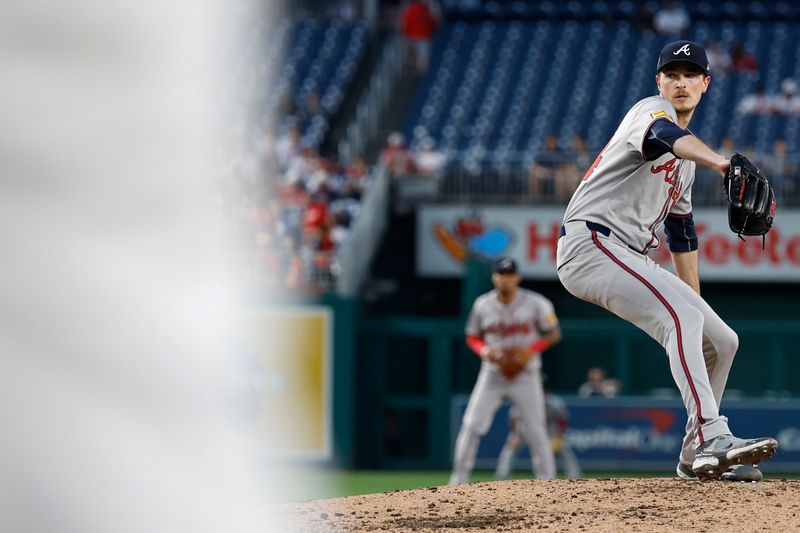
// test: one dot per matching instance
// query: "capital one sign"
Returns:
(529, 234)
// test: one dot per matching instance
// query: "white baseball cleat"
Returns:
(686, 473)
(714, 457)
(743, 473)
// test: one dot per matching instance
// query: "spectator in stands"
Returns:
(671, 20)
(319, 176)
(288, 146)
(781, 169)
(418, 22)
(357, 169)
(286, 104)
(719, 59)
(728, 147)
(294, 238)
(581, 153)
(756, 103)
(742, 60)
(317, 257)
(295, 201)
(787, 102)
(542, 174)
(346, 10)
(316, 224)
(429, 161)
(302, 165)
(645, 21)
(567, 177)
(598, 385)
(749, 152)
(570, 167)
(397, 158)
(311, 108)
(340, 228)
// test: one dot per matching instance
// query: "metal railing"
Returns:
(365, 124)
(553, 179)
(360, 247)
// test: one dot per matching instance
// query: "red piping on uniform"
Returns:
(662, 216)
(674, 317)
(673, 215)
(647, 246)
(664, 213)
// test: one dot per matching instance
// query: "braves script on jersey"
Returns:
(518, 323)
(619, 190)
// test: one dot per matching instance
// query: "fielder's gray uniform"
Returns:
(625, 199)
(518, 323)
(557, 414)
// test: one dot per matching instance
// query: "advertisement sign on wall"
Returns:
(289, 354)
(529, 234)
(645, 434)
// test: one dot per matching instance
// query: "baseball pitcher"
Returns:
(640, 181)
(508, 328)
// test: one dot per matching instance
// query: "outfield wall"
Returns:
(644, 434)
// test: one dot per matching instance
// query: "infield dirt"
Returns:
(590, 505)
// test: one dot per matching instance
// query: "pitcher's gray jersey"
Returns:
(628, 194)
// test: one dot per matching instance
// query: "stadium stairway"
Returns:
(396, 113)
(375, 41)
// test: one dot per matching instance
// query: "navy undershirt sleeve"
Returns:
(680, 233)
(660, 137)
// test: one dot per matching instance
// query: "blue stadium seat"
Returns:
(496, 88)
(312, 56)
(739, 10)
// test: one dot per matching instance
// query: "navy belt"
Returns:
(592, 226)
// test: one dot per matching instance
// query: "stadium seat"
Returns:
(314, 57)
(500, 86)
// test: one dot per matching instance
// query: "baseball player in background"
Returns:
(640, 181)
(508, 327)
(557, 419)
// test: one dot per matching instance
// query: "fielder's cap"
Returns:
(686, 52)
(505, 265)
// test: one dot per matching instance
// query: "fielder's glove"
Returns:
(514, 361)
(751, 200)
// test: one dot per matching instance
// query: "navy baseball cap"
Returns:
(505, 265)
(686, 52)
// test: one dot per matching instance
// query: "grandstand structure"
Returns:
(510, 86)
(312, 57)
(617, 11)
(498, 88)
(507, 75)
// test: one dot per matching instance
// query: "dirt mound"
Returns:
(591, 505)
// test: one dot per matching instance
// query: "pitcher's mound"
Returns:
(590, 505)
